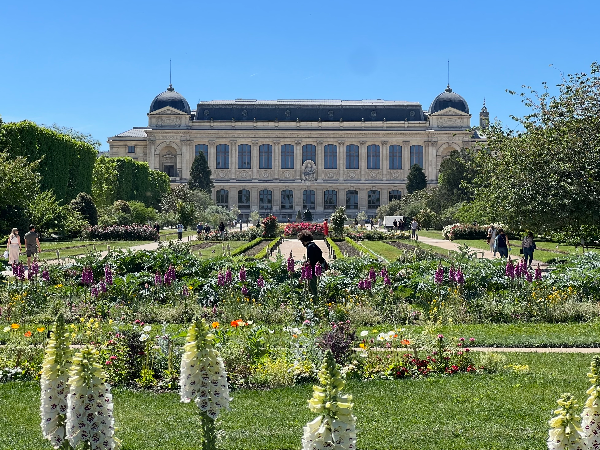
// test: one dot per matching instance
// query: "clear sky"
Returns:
(96, 66)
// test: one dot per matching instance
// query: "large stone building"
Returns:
(282, 156)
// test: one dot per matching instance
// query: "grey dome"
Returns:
(449, 99)
(170, 98)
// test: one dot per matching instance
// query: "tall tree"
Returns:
(456, 175)
(200, 174)
(416, 179)
(547, 177)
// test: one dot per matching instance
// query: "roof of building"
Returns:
(309, 110)
(134, 132)
(170, 98)
(449, 99)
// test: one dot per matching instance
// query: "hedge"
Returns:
(122, 233)
(336, 250)
(265, 252)
(247, 246)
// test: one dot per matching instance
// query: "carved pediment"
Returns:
(167, 111)
(449, 112)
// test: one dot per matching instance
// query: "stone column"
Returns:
(233, 159)
(362, 160)
(151, 151)
(405, 158)
(362, 199)
(276, 161)
(298, 160)
(254, 154)
(186, 150)
(212, 156)
(320, 162)
(342, 162)
(385, 159)
(254, 199)
(426, 158)
(298, 199)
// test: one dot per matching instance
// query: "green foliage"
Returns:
(200, 175)
(416, 180)
(84, 205)
(66, 164)
(270, 226)
(456, 174)
(336, 249)
(246, 247)
(141, 214)
(337, 221)
(48, 215)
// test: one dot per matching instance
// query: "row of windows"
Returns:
(330, 199)
(309, 152)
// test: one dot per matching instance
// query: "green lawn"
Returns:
(207, 253)
(507, 410)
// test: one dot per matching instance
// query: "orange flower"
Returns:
(234, 323)
(28, 334)
(15, 326)
(240, 323)
(405, 342)
(40, 329)
(215, 324)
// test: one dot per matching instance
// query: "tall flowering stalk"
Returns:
(242, 274)
(335, 427)
(590, 423)
(439, 275)
(538, 273)
(203, 379)
(318, 269)
(90, 418)
(459, 277)
(53, 382)
(564, 433)
(108, 275)
(169, 276)
(87, 276)
(290, 264)
(510, 270)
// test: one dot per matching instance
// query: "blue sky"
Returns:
(96, 66)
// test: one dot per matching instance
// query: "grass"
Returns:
(506, 410)
(387, 251)
(207, 252)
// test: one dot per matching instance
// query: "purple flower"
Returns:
(45, 275)
(510, 270)
(290, 264)
(108, 275)
(361, 285)
(169, 276)
(260, 282)
(94, 291)
(439, 274)
(242, 274)
(306, 271)
(221, 279)
(103, 286)
(228, 276)
(386, 280)
(538, 273)
(451, 273)
(368, 284)
(372, 274)
(157, 279)
(185, 291)
(459, 277)
(384, 272)
(87, 276)
(34, 268)
(440, 337)
(318, 269)
(529, 276)
(244, 290)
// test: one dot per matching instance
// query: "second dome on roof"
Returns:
(449, 99)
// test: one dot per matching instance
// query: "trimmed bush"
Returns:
(292, 229)
(122, 233)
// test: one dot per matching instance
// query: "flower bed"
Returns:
(292, 229)
(376, 235)
(465, 231)
(122, 233)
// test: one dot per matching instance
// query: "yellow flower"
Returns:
(40, 329)
(15, 326)
(110, 321)
(81, 319)
(361, 345)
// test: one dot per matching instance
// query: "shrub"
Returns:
(339, 340)
(338, 219)
(269, 226)
(292, 229)
(122, 233)
(84, 205)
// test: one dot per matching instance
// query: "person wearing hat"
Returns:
(13, 246)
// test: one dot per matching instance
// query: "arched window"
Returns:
(416, 155)
(374, 200)
(308, 200)
(202, 148)
(351, 156)
(351, 200)
(265, 156)
(309, 151)
(395, 195)
(223, 156)
(373, 157)
(287, 199)
(330, 156)
(222, 198)
(330, 199)
(244, 156)
(244, 199)
(265, 200)
(287, 156)
(395, 152)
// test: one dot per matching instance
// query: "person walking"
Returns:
(157, 229)
(222, 230)
(13, 246)
(414, 226)
(314, 255)
(199, 229)
(528, 246)
(325, 228)
(491, 239)
(179, 231)
(502, 244)
(32, 244)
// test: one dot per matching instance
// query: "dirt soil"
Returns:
(347, 249)
(256, 249)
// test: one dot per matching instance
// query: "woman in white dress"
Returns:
(13, 246)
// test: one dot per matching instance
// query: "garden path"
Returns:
(298, 250)
(449, 245)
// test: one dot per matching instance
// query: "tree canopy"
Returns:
(416, 180)
(200, 175)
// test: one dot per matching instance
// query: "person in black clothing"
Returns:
(157, 229)
(502, 243)
(314, 255)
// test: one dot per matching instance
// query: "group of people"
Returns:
(14, 247)
(499, 243)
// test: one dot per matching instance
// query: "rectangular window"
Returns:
(131, 149)
(308, 200)
(309, 152)
(223, 156)
(265, 156)
(202, 148)
(395, 195)
(244, 199)
(244, 156)
(265, 200)
(330, 199)
(373, 157)
(395, 152)
(373, 200)
(330, 156)
(351, 200)
(416, 155)
(222, 198)
(287, 156)
(287, 199)
(351, 156)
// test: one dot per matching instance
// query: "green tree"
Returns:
(76, 135)
(338, 220)
(456, 175)
(48, 215)
(546, 177)
(416, 180)
(84, 205)
(200, 175)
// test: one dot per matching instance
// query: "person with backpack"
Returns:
(528, 246)
(314, 255)
(502, 243)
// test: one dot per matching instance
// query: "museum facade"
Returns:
(282, 156)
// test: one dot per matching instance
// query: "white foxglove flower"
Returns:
(564, 433)
(590, 418)
(203, 377)
(90, 407)
(335, 427)
(53, 382)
